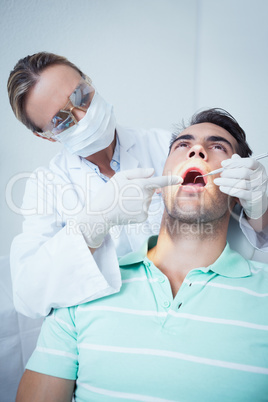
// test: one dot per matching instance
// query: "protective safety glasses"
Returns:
(64, 119)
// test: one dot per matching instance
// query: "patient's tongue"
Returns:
(192, 179)
(194, 184)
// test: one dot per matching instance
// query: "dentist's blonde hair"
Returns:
(25, 75)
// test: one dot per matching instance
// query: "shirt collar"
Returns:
(74, 161)
(138, 256)
(229, 264)
(115, 157)
(126, 140)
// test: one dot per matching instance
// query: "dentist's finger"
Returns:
(236, 192)
(233, 183)
(238, 173)
(163, 181)
(237, 162)
(138, 173)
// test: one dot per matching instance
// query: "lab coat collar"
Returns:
(127, 141)
(230, 264)
(77, 165)
(80, 173)
(74, 161)
(126, 137)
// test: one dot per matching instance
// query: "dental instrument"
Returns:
(261, 156)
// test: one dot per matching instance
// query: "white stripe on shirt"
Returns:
(55, 352)
(140, 279)
(203, 283)
(60, 321)
(228, 287)
(125, 310)
(176, 355)
(116, 394)
(215, 320)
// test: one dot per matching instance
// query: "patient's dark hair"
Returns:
(223, 119)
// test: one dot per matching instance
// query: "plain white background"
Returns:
(156, 61)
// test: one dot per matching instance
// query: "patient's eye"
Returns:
(181, 144)
(219, 147)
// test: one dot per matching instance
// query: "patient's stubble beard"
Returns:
(195, 215)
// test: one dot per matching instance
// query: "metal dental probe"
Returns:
(221, 169)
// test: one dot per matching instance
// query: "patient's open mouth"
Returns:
(190, 179)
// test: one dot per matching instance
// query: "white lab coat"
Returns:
(51, 265)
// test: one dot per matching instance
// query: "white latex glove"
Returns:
(122, 200)
(246, 179)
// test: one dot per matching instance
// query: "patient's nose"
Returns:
(197, 151)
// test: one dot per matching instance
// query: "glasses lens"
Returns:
(64, 119)
(82, 95)
(61, 122)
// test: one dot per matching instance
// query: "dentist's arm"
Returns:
(123, 200)
(259, 224)
(51, 264)
(246, 179)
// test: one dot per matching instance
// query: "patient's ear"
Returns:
(40, 136)
(233, 202)
(236, 201)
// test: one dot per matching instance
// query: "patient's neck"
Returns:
(182, 247)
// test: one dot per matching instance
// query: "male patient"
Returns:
(191, 320)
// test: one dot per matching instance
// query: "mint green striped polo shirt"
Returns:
(209, 343)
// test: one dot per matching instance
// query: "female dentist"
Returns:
(77, 211)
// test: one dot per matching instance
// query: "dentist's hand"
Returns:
(246, 179)
(122, 200)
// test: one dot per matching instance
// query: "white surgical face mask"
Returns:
(92, 133)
